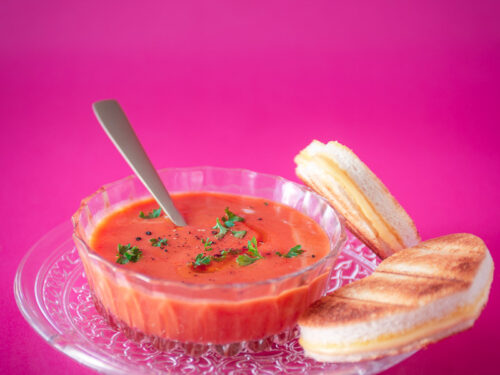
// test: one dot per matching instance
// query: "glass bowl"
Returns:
(54, 297)
(224, 317)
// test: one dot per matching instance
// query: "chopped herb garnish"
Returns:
(128, 253)
(266, 204)
(201, 260)
(239, 233)
(221, 256)
(293, 252)
(245, 259)
(205, 260)
(252, 247)
(231, 218)
(221, 228)
(206, 243)
(160, 242)
(152, 215)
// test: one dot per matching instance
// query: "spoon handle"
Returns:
(118, 128)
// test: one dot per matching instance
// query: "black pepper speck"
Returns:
(148, 233)
(138, 238)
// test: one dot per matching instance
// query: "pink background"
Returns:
(413, 89)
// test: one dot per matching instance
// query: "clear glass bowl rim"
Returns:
(335, 248)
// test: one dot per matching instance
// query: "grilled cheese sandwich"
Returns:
(370, 211)
(404, 304)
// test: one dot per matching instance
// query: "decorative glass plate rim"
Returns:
(73, 345)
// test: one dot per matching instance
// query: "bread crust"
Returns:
(353, 221)
(445, 283)
(317, 166)
(396, 350)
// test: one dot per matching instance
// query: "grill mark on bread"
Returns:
(367, 301)
(342, 309)
(422, 276)
(449, 262)
(455, 243)
(411, 290)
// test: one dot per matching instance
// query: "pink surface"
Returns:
(414, 90)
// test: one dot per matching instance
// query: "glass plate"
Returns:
(54, 297)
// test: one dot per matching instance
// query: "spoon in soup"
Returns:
(118, 128)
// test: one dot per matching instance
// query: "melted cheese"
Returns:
(391, 340)
(381, 228)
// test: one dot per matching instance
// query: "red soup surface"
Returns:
(229, 239)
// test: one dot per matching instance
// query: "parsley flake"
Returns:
(152, 215)
(220, 257)
(206, 243)
(245, 259)
(160, 242)
(239, 233)
(293, 252)
(252, 247)
(201, 260)
(221, 228)
(231, 218)
(127, 253)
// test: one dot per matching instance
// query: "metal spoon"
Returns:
(118, 128)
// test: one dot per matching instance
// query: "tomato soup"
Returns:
(170, 252)
(229, 248)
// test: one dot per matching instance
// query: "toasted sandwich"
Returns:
(370, 211)
(415, 297)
